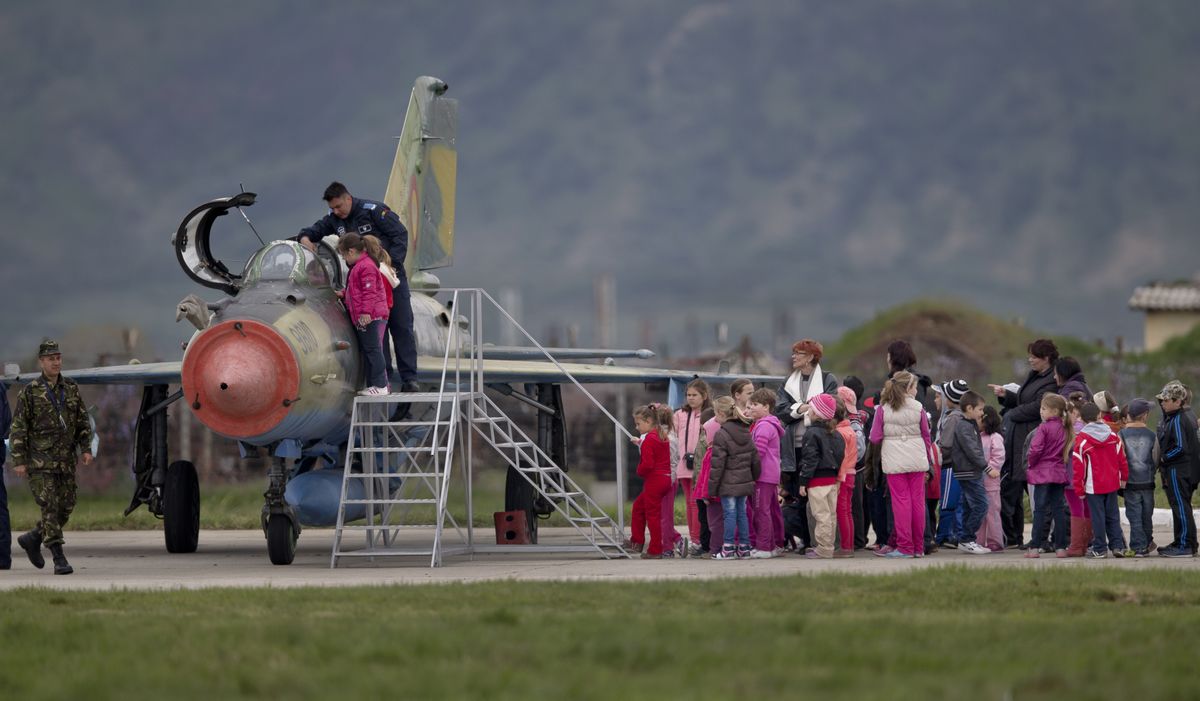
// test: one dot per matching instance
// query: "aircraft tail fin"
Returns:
(421, 187)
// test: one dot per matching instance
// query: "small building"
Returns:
(1172, 309)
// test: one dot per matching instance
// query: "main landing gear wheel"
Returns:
(181, 507)
(519, 496)
(281, 540)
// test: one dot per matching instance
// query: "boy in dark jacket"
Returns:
(1177, 442)
(1142, 454)
(968, 462)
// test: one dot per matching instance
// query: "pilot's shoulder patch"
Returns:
(368, 205)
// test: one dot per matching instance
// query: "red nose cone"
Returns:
(240, 373)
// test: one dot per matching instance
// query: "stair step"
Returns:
(395, 424)
(355, 475)
(406, 449)
(517, 444)
(388, 501)
(562, 495)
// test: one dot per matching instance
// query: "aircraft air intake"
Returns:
(240, 378)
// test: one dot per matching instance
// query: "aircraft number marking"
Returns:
(305, 338)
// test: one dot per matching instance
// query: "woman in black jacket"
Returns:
(1022, 414)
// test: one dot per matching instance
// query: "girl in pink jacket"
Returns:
(688, 422)
(991, 534)
(366, 299)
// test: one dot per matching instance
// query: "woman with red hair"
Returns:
(806, 381)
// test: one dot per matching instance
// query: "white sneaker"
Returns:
(761, 554)
(778, 552)
(681, 548)
(973, 548)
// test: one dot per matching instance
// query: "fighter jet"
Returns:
(275, 363)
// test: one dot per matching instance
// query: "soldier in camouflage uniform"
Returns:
(50, 423)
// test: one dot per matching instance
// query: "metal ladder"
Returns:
(392, 467)
(549, 480)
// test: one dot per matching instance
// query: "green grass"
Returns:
(946, 633)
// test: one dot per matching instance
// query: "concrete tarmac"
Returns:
(105, 560)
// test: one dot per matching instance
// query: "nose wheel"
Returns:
(181, 507)
(280, 524)
(281, 540)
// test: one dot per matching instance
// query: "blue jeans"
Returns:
(370, 341)
(974, 508)
(5, 527)
(1139, 509)
(734, 511)
(1106, 523)
(1049, 499)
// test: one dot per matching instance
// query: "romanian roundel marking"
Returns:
(305, 339)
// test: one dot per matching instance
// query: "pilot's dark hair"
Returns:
(335, 189)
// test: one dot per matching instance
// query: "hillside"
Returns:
(723, 160)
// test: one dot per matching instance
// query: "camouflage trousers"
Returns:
(54, 492)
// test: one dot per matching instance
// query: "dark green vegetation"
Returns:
(933, 634)
(952, 339)
(1036, 158)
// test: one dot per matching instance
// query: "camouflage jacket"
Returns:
(42, 438)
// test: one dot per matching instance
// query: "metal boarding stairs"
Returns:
(398, 470)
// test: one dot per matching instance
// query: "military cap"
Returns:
(48, 347)
(1173, 391)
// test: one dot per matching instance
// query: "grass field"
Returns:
(935, 634)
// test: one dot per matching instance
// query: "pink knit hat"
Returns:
(824, 405)
(849, 398)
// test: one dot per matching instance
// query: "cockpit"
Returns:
(277, 261)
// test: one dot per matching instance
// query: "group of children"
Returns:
(744, 502)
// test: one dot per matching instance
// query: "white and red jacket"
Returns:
(1098, 464)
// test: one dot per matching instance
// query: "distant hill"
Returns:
(723, 160)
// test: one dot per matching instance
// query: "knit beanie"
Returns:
(824, 406)
(955, 389)
(849, 398)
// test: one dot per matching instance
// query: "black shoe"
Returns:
(409, 386)
(31, 543)
(61, 566)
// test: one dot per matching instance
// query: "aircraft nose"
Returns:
(242, 375)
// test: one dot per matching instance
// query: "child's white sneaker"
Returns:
(761, 554)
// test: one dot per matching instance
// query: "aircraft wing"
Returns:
(142, 374)
(520, 371)
(429, 369)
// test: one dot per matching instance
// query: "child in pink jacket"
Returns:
(366, 299)
(768, 516)
(991, 534)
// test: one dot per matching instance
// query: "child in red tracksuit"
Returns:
(1098, 469)
(654, 468)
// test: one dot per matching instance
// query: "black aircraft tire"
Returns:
(281, 540)
(181, 507)
(520, 496)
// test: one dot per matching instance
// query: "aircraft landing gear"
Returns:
(172, 492)
(280, 525)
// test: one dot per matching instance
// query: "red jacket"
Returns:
(656, 457)
(366, 291)
(1098, 464)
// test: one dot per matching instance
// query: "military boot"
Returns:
(61, 566)
(31, 543)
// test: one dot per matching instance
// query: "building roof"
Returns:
(1183, 296)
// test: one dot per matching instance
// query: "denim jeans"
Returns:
(734, 509)
(1049, 500)
(370, 340)
(1139, 509)
(1106, 523)
(974, 508)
